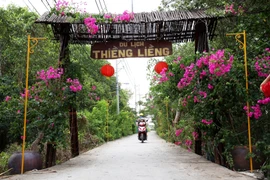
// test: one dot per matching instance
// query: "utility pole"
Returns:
(135, 94)
(131, 5)
(117, 88)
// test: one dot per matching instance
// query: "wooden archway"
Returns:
(172, 26)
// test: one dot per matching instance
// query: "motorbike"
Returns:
(142, 132)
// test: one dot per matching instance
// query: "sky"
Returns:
(131, 71)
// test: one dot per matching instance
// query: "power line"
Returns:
(101, 6)
(105, 6)
(44, 5)
(34, 7)
(129, 73)
(27, 5)
(97, 6)
(49, 3)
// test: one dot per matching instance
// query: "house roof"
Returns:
(173, 26)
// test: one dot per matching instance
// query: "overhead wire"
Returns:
(128, 72)
(87, 54)
(49, 4)
(27, 5)
(103, 11)
(105, 6)
(97, 6)
(34, 7)
(44, 5)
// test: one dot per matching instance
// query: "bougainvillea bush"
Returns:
(47, 112)
(76, 12)
(213, 91)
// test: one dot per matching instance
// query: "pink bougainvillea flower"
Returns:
(178, 132)
(210, 86)
(178, 143)
(187, 77)
(7, 98)
(107, 16)
(188, 142)
(204, 121)
(195, 135)
(264, 101)
(196, 99)
(94, 88)
(75, 85)
(203, 94)
(184, 102)
(254, 111)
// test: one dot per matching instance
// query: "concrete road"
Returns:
(129, 159)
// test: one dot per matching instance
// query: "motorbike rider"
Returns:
(141, 123)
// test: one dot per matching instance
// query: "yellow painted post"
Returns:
(107, 124)
(29, 51)
(243, 45)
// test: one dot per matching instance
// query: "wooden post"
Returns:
(64, 62)
(73, 125)
(201, 44)
(50, 155)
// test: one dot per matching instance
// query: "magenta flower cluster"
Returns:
(187, 77)
(255, 111)
(164, 75)
(262, 64)
(178, 132)
(61, 5)
(75, 85)
(207, 122)
(7, 98)
(92, 95)
(229, 9)
(217, 64)
(51, 73)
(125, 17)
(91, 21)
(64, 8)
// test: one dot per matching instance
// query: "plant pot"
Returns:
(240, 160)
(32, 160)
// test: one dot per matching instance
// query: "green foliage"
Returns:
(4, 161)
(101, 116)
(225, 103)
(5, 155)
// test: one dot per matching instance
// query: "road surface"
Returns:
(129, 159)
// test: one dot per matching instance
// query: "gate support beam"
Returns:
(64, 62)
(201, 44)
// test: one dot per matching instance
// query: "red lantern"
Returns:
(107, 70)
(160, 66)
(266, 89)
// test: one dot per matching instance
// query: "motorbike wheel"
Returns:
(142, 138)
